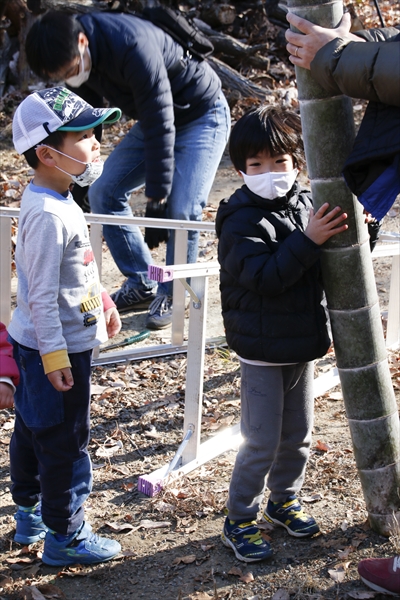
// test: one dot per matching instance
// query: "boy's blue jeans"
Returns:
(49, 460)
(199, 146)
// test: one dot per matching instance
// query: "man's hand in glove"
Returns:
(156, 209)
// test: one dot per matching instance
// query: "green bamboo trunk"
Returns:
(328, 129)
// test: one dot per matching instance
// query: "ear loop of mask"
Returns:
(91, 172)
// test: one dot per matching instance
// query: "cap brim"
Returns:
(91, 117)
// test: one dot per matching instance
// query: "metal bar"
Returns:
(179, 271)
(178, 292)
(195, 367)
(393, 322)
(140, 221)
(145, 352)
(96, 241)
(5, 270)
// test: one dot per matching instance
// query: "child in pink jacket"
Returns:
(9, 374)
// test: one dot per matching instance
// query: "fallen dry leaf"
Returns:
(32, 593)
(148, 524)
(335, 396)
(120, 527)
(321, 446)
(361, 595)
(281, 595)
(345, 553)
(50, 591)
(247, 577)
(20, 559)
(338, 574)
(313, 498)
(187, 560)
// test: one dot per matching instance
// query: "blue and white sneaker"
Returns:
(30, 527)
(82, 547)
(244, 537)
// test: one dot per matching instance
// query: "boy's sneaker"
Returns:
(245, 539)
(128, 298)
(381, 574)
(160, 313)
(291, 516)
(82, 547)
(30, 527)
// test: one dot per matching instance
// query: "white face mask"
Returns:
(92, 171)
(78, 80)
(270, 185)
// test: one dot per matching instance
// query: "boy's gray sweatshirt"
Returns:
(59, 304)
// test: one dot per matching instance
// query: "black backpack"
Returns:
(181, 28)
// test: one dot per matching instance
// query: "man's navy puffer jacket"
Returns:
(270, 282)
(131, 58)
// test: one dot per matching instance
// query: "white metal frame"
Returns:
(193, 453)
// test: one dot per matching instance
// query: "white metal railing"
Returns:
(389, 246)
(96, 222)
(191, 453)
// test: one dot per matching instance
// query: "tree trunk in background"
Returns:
(328, 130)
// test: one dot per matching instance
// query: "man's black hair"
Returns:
(275, 130)
(55, 140)
(52, 43)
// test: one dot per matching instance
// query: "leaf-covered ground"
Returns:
(171, 542)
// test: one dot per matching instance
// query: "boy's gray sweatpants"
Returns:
(277, 409)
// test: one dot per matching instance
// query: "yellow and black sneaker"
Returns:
(291, 516)
(244, 537)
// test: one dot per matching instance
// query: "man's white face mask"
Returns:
(78, 80)
(270, 185)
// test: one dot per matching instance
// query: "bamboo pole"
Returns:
(328, 130)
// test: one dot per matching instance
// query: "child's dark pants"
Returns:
(48, 451)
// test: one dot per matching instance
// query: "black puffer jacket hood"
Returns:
(270, 284)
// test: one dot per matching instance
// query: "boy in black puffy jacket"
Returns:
(271, 291)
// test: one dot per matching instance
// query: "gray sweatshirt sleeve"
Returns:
(44, 243)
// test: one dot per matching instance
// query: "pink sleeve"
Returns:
(107, 301)
(8, 366)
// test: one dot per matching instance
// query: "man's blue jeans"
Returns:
(199, 146)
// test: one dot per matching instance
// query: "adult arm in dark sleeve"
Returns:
(370, 71)
(341, 64)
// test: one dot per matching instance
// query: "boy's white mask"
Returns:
(270, 185)
(78, 80)
(92, 171)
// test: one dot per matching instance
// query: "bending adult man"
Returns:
(372, 72)
(174, 148)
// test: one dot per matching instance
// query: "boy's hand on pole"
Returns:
(113, 321)
(6, 395)
(323, 225)
(61, 379)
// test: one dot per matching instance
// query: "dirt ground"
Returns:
(171, 542)
(171, 546)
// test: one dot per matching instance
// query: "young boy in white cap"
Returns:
(62, 314)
